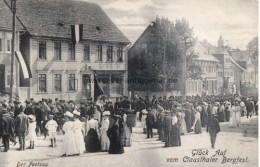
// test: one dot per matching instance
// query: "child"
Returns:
(31, 131)
(51, 126)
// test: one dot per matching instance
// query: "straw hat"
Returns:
(69, 114)
(106, 113)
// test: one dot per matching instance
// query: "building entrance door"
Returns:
(86, 85)
(2, 77)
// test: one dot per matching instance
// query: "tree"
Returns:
(167, 43)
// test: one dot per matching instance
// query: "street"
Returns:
(231, 143)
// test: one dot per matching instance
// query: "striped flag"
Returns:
(76, 33)
(25, 69)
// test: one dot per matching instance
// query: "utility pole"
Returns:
(13, 8)
(184, 69)
(164, 50)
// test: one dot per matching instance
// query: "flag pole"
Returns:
(13, 7)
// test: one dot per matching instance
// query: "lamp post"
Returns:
(13, 7)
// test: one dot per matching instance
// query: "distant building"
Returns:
(249, 78)
(210, 83)
(62, 69)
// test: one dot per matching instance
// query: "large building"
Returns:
(210, 83)
(64, 69)
(6, 50)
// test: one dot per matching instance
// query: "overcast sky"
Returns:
(235, 20)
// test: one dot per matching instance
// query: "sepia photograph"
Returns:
(135, 83)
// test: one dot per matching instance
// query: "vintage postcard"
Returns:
(138, 83)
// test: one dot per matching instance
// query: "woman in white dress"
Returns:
(235, 115)
(69, 143)
(197, 123)
(31, 131)
(126, 137)
(143, 120)
(104, 127)
(78, 133)
(183, 128)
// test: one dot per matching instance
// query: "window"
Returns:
(99, 50)
(42, 83)
(120, 54)
(42, 50)
(8, 45)
(1, 49)
(71, 51)
(86, 53)
(57, 82)
(57, 51)
(228, 60)
(72, 82)
(110, 53)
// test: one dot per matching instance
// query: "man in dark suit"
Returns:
(160, 119)
(149, 123)
(21, 127)
(39, 114)
(213, 129)
(6, 128)
(167, 124)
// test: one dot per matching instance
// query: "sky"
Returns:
(235, 20)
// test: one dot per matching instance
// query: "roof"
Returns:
(203, 53)
(53, 18)
(240, 55)
(6, 21)
(222, 52)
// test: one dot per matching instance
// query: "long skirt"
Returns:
(115, 142)
(126, 137)
(92, 142)
(175, 138)
(79, 141)
(197, 128)
(104, 140)
(69, 144)
(183, 128)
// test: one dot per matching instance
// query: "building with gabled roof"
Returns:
(61, 68)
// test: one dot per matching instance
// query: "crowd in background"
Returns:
(106, 126)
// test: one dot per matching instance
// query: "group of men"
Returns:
(14, 120)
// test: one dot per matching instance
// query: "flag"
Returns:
(25, 68)
(76, 33)
(97, 89)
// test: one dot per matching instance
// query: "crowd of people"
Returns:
(106, 126)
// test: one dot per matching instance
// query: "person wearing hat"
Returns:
(31, 131)
(167, 124)
(141, 107)
(175, 139)
(21, 127)
(28, 109)
(160, 118)
(17, 108)
(69, 143)
(213, 128)
(197, 123)
(52, 126)
(92, 142)
(39, 114)
(6, 128)
(104, 127)
(235, 115)
(149, 123)
(78, 133)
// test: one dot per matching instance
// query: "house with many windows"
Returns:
(210, 83)
(61, 68)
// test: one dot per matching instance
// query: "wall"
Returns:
(65, 66)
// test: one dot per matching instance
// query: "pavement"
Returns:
(234, 147)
